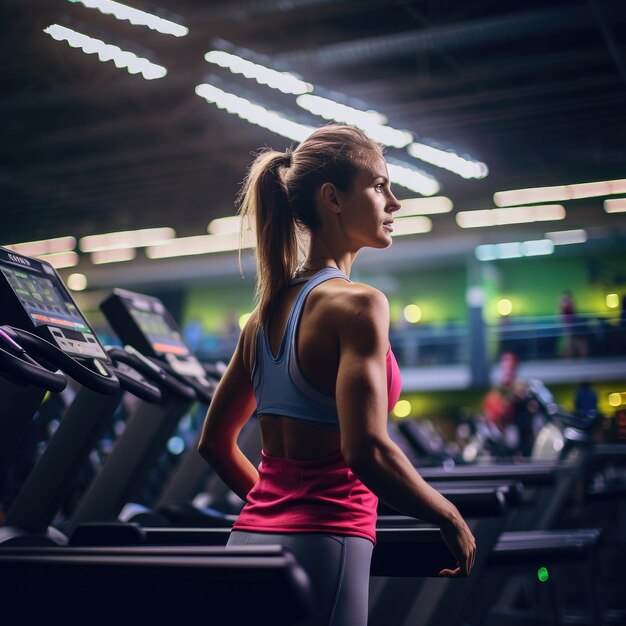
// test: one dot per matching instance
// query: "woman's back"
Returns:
(317, 349)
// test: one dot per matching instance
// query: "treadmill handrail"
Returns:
(20, 366)
(144, 390)
(153, 371)
(107, 384)
(202, 393)
(535, 472)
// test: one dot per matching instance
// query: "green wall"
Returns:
(534, 286)
(439, 293)
(214, 304)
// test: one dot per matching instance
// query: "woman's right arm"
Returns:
(361, 393)
(231, 407)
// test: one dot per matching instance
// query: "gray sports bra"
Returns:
(279, 385)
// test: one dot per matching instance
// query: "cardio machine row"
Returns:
(160, 370)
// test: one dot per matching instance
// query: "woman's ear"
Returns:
(330, 198)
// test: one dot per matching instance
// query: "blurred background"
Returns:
(127, 129)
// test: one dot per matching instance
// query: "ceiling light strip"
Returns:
(415, 225)
(514, 250)
(403, 175)
(424, 206)
(568, 237)
(106, 52)
(59, 260)
(448, 160)
(371, 122)
(135, 16)
(224, 225)
(253, 113)
(368, 122)
(126, 239)
(200, 244)
(282, 81)
(559, 193)
(118, 255)
(615, 205)
(44, 246)
(483, 218)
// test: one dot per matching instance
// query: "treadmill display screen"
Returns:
(41, 295)
(44, 303)
(163, 338)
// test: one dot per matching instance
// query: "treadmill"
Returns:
(23, 385)
(144, 323)
(146, 578)
(528, 531)
(406, 551)
(40, 316)
(35, 561)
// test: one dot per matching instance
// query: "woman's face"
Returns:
(367, 209)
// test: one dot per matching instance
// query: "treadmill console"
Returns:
(34, 298)
(143, 322)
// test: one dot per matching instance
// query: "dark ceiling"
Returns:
(536, 90)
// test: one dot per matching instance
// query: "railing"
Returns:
(548, 337)
(530, 338)
(431, 345)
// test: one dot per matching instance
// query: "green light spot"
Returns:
(542, 574)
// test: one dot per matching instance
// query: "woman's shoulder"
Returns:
(345, 299)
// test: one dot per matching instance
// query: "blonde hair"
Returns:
(278, 198)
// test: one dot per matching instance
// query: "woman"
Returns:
(314, 361)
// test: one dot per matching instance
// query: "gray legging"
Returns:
(338, 567)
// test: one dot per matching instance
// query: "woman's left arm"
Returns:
(231, 407)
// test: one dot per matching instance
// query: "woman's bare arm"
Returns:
(363, 328)
(231, 407)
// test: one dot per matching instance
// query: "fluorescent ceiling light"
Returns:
(60, 260)
(514, 249)
(371, 122)
(413, 179)
(44, 246)
(615, 205)
(135, 16)
(283, 81)
(223, 225)
(566, 237)
(199, 244)
(559, 193)
(253, 113)
(107, 52)
(510, 250)
(410, 178)
(126, 239)
(415, 225)
(331, 110)
(424, 206)
(538, 247)
(513, 215)
(116, 255)
(486, 252)
(448, 160)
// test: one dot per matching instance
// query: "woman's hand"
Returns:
(460, 540)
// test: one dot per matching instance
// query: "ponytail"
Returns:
(264, 202)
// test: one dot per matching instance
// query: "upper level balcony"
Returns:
(443, 356)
